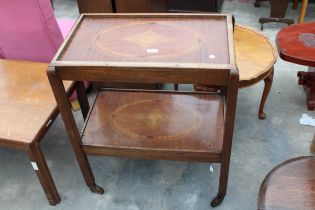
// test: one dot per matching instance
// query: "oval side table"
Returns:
(255, 57)
(291, 185)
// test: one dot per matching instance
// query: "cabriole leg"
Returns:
(268, 83)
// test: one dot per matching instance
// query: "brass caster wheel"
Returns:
(217, 200)
(97, 189)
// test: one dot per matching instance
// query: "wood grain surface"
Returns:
(151, 39)
(91, 6)
(255, 55)
(168, 123)
(296, 43)
(134, 6)
(291, 185)
(26, 100)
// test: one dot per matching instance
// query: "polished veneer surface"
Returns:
(28, 109)
(296, 44)
(291, 185)
(255, 55)
(150, 39)
(152, 121)
(26, 100)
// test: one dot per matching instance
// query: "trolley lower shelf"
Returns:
(155, 125)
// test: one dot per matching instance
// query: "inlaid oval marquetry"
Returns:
(151, 120)
(147, 40)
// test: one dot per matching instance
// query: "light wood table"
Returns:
(28, 109)
(255, 57)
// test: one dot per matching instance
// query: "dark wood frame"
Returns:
(224, 75)
(278, 8)
(146, 6)
(140, 6)
(204, 6)
(35, 154)
(95, 6)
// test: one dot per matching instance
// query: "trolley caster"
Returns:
(97, 189)
(217, 200)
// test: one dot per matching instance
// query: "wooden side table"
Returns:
(255, 57)
(291, 185)
(28, 109)
(185, 126)
(296, 44)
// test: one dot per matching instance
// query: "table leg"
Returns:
(295, 4)
(257, 3)
(311, 98)
(72, 130)
(313, 145)
(232, 92)
(303, 11)
(176, 86)
(82, 98)
(268, 83)
(307, 79)
(36, 156)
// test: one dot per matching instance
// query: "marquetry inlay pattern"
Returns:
(149, 122)
(148, 39)
(134, 39)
